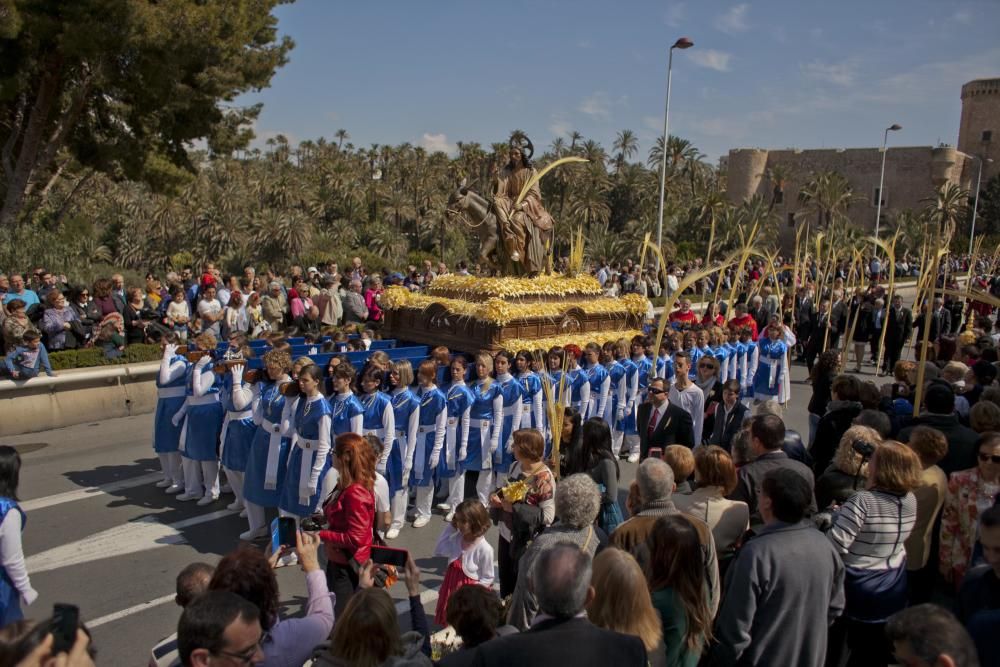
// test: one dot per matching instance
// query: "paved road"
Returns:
(100, 535)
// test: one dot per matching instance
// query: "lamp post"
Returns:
(975, 205)
(881, 180)
(682, 43)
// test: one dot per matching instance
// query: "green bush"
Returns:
(92, 357)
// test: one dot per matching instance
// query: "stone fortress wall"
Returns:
(912, 174)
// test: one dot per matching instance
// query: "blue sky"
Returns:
(770, 73)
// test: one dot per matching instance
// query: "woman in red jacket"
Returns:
(350, 516)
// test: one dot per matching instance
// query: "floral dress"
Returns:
(968, 495)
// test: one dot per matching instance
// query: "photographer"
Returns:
(849, 469)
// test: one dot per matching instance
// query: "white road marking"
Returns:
(90, 492)
(109, 618)
(135, 536)
(402, 607)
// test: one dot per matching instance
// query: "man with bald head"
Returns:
(561, 633)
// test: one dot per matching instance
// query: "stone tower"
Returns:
(979, 131)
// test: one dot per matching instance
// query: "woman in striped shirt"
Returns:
(869, 531)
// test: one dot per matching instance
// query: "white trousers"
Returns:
(201, 478)
(256, 518)
(632, 442)
(172, 468)
(484, 487)
(456, 490)
(425, 496)
(398, 508)
(235, 478)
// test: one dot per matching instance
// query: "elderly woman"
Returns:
(970, 493)
(931, 446)
(61, 326)
(103, 298)
(135, 322)
(373, 297)
(16, 323)
(274, 305)
(577, 503)
(984, 417)
(847, 473)
(715, 475)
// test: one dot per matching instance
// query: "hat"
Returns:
(312, 269)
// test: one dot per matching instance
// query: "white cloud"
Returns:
(710, 58)
(560, 125)
(841, 74)
(436, 142)
(597, 105)
(734, 20)
(674, 14)
(963, 16)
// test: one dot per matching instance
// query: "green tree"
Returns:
(116, 84)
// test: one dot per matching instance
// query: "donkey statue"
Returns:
(479, 215)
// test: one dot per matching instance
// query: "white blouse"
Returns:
(477, 558)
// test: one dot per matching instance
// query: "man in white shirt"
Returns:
(687, 394)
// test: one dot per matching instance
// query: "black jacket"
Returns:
(830, 430)
(726, 428)
(962, 450)
(574, 641)
(674, 428)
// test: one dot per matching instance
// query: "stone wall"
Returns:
(981, 114)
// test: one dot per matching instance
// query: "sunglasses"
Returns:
(989, 457)
(709, 366)
(657, 391)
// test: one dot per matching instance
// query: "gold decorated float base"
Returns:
(469, 314)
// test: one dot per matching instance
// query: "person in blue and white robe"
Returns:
(170, 396)
(406, 418)
(512, 392)
(772, 357)
(202, 415)
(485, 419)
(309, 458)
(436, 423)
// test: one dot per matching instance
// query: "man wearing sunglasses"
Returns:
(661, 423)
(220, 628)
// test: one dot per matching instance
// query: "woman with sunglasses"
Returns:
(970, 493)
(710, 383)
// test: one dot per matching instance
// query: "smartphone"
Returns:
(65, 621)
(283, 530)
(390, 556)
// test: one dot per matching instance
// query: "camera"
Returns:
(313, 523)
(864, 449)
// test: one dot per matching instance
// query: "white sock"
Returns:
(425, 495)
(255, 516)
(175, 465)
(210, 477)
(235, 478)
(398, 507)
(632, 442)
(165, 465)
(192, 477)
(456, 490)
(484, 487)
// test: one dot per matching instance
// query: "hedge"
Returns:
(91, 356)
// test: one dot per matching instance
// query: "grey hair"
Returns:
(655, 479)
(768, 407)
(578, 500)
(561, 580)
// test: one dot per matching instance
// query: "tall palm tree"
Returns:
(778, 176)
(341, 136)
(827, 196)
(948, 205)
(626, 146)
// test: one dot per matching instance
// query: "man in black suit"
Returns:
(672, 424)
(729, 416)
(561, 633)
(899, 326)
(940, 323)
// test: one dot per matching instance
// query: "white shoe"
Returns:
(225, 488)
(243, 514)
(164, 483)
(189, 496)
(444, 507)
(450, 515)
(207, 500)
(235, 505)
(251, 535)
(291, 558)
(633, 458)
(175, 488)
(392, 533)
(421, 521)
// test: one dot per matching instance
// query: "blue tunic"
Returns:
(596, 374)
(618, 373)
(432, 403)
(166, 436)
(511, 390)
(664, 369)
(239, 433)
(642, 367)
(272, 404)
(555, 378)
(482, 421)
(456, 402)
(10, 598)
(344, 410)
(722, 356)
(772, 356)
(403, 405)
(575, 380)
(531, 384)
(204, 422)
(307, 427)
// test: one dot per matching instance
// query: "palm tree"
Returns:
(778, 175)
(827, 196)
(341, 136)
(627, 146)
(947, 206)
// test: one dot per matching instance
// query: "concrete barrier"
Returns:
(77, 397)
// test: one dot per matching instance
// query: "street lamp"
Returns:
(881, 180)
(682, 43)
(975, 205)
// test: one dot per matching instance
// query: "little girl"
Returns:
(470, 556)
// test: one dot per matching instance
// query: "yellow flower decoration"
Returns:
(579, 338)
(475, 286)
